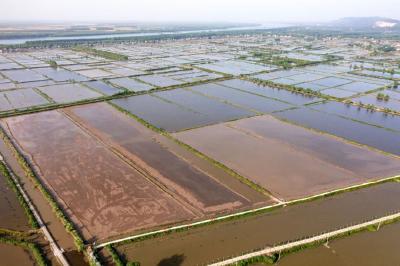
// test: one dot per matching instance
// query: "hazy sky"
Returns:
(195, 10)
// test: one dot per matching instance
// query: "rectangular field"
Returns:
(382, 139)
(180, 109)
(131, 84)
(66, 93)
(23, 75)
(103, 195)
(262, 148)
(138, 143)
(243, 99)
(23, 98)
(273, 93)
(374, 118)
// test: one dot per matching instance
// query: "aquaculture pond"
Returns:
(240, 98)
(368, 248)
(274, 93)
(379, 138)
(204, 245)
(260, 149)
(359, 114)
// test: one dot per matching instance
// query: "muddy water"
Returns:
(75, 258)
(12, 215)
(366, 248)
(13, 255)
(202, 245)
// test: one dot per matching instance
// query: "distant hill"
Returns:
(367, 23)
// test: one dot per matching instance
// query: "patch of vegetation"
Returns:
(115, 257)
(294, 89)
(101, 53)
(382, 97)
(280, 60)
(264, 259)
(52, 63)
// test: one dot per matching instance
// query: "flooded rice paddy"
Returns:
(16, 99)
(360, 114)
(130, 84)
(138, 143)
(116, 177)
(330, 80)
(93, 183)
(236, 67)
(269, 92)
(240, 98)
(65, 93)
(260, 149)
(381, 139)
(180, 109)
(102, 87)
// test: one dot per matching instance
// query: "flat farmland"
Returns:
(65, 93)
(136, 142)
(180, 109)
(161, 113)
(103, 195)
(269, 92)
(240, 98)
(261, 148)
(23, 75)
(24, 98)
(376, 137)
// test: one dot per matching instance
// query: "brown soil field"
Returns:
(103, 195)
(139, 144)
(200, 246)
(288, 160)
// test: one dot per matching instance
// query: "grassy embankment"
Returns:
(100, 53)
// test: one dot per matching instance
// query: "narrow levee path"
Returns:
(58, 253)
(299, 243)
